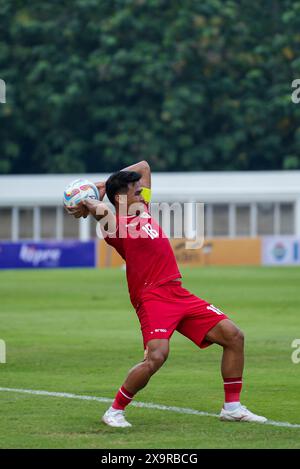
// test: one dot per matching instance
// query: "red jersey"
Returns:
(147, 251)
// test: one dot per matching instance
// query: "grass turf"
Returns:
(75, 331)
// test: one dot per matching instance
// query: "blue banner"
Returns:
(34, 255)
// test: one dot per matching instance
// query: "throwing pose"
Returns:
(161, 303)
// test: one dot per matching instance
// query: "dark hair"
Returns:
(118, 182)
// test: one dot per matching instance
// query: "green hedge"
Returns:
(93, 85)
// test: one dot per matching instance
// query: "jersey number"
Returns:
(150, 231)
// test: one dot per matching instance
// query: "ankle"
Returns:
(231, 405)
(111, 409)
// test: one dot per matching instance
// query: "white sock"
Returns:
(231, 405)
(111, 409)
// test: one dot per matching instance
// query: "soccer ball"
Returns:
(79, 190)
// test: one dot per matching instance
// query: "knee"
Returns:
(232, 336)
(236, 338)
(156, 359)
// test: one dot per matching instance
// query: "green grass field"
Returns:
(76, 332)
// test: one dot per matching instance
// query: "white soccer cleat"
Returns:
(241, 414)
(115, 418)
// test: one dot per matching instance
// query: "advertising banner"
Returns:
(220, 251)
(33, 255)
(282, 250)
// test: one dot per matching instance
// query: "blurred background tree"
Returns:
(93, 85)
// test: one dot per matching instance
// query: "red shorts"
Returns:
(171, 307)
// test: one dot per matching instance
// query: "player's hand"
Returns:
(91, 205)
(79, 211)
(101, 188)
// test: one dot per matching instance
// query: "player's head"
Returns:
(124, 183)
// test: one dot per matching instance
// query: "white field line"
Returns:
(145, 405)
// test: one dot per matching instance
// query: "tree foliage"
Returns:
(94, 85)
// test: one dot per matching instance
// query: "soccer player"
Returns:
(161, 303)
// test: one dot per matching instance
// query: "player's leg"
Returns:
(159, 315)
(137, 379)
(205, 324)
(231, 338)
(139, 375)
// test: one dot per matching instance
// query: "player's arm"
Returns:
(142, 168)
(100, 211)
